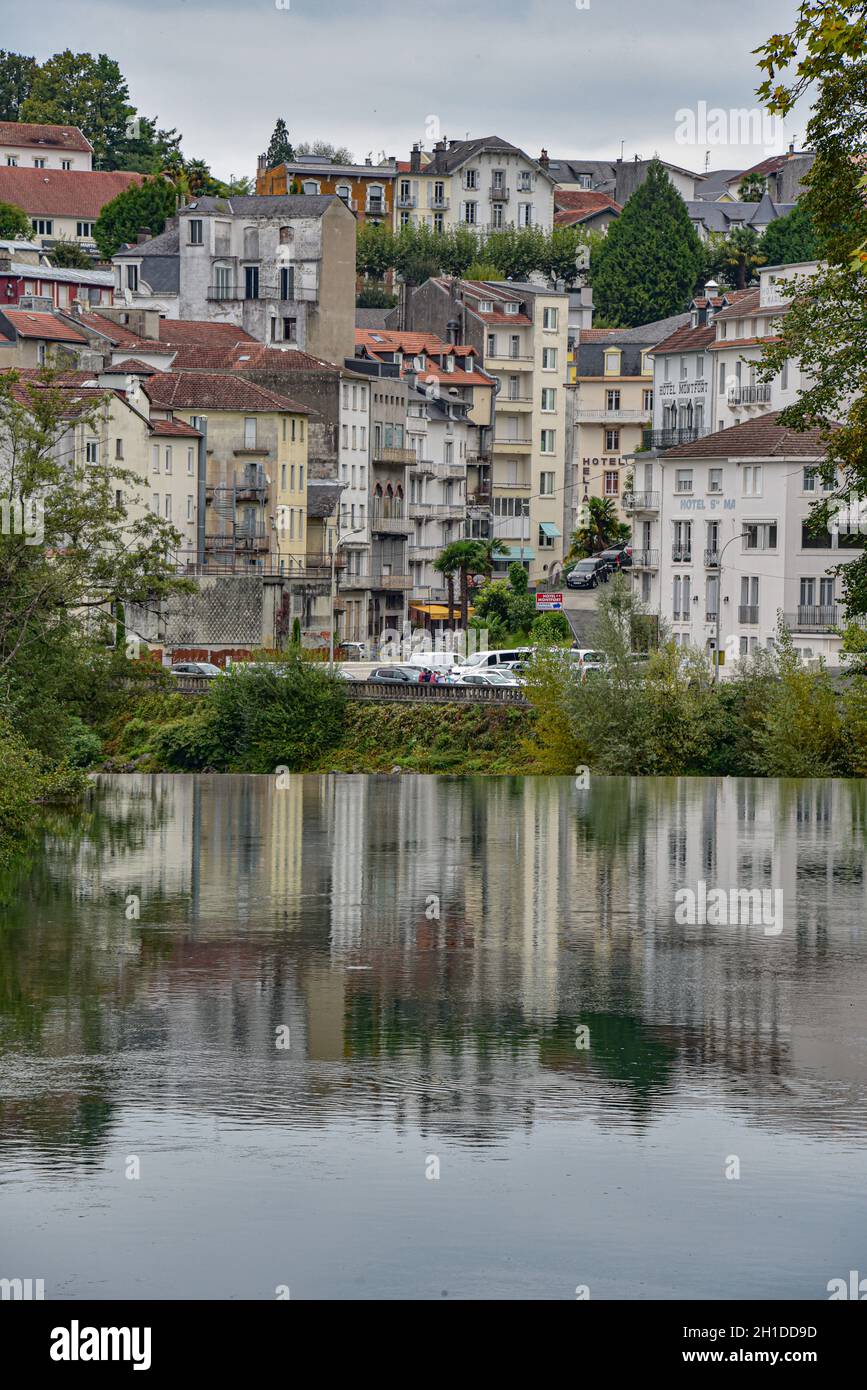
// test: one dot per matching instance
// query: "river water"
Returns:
(389, 1037)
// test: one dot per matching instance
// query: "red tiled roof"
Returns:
(748, 302)
(214, 391)
(129, 365)
(763, 437)
(63, 192)
(243, 356)
(686, 338)
(723, 343)
(47, 326)
(61, 137)
(566, 200)
(177, 428)
(117, 333)
(176, 332)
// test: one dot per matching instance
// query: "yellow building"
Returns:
(290, 492)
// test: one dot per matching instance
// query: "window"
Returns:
(612, 441)
(311, 187)
(549, 398)
(612, 363)
(808, 480)
(714, 480)
(195, 226)
(190, 509)
(91, 451)
(749, 606)
(168, 507)
(250, 432)
(290, 330)
(155, 503)
(344, 191)
(222, 282)
(751, 480)
(612, 484)
(66, 163)
(118, 448)
(551, 318)
(12, 161)
(549, 359)
(646, 364)
(84, 229)
(486, 306)
(496, 216)
(547, 441)
(612, 400)
(722, 380)
(525, 214)
(132, 277)
(683, 369)
(439, 221)
(155, 459)
(168, 458)
(498, 178)
(699, 366)
(43, 226)
(546, 484)
(191, 455)
(251, 282)
(525, 181)
(511, 307)
(683, 480)
(760, 535)
(286, 235)
(470, 214)
(471, 178)
(647, 401)
(39, 163)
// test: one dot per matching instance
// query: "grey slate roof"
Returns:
(721, 217)
(603, 172)
(160, 260)
(166, 244)
(715, 182)
(252, 205)
(371, 318)
(446, 161)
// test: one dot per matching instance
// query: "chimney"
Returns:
(453, 331)
(544, 160)
(415, 160)
(144, 234)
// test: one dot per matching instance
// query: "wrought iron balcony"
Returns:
(810, 618)
(641, 501)
(645, 559)
(681, 554)
(669, 439)
(711, 559)
(748, 613)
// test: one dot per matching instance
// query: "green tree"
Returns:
(737, 256)
(646, 266)
(337, 154)
(280, 149)
(752, 189)
(149, 204)
(16, 79)
(790, 239)
(14, 223)
(70, 256)
(478, 270)
(800, 731)
(447, 565)
(460, 557)
(374, 250)
(90, 93)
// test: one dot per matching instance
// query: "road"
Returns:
(580, 609)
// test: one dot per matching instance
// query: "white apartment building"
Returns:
(28, 146)
(353, 470)
(486, 184)
(721, 541)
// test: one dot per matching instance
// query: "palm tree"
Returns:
(602, 529)
(486, 550)
(752, 189)
(460, 557)
(447, 565)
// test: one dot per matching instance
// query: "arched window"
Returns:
(310, 186)
(251, 243)
(286, 236)
(389, 501)
(377, 500)
(398, 501)
(344, 191)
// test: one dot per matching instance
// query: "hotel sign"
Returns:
(711, 504)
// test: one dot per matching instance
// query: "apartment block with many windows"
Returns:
(486, 184)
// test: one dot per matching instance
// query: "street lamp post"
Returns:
(739, 537)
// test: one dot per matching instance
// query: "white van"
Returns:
(481, 661)
(442, 662)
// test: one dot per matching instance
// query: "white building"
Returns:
(486, 184)
(721, 539)
(438, 431)
(27, 146)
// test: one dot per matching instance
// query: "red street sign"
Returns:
(549, 602)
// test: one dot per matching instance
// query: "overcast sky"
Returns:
(371, 74)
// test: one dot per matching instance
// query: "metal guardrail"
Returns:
(459, 694)
(641, 501)
(812, 618)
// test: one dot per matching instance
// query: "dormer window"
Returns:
(486, 306)
(585, 181)
(512, 308)
(612, 362)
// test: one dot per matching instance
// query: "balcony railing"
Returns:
(375, 209)
(669, 439)
(439, 204)
(615, 414)
(681, 554)
(510, 442)
(406, 200)
(392, 525)
(641, 501)
(399, 456)
(748, 613)
(499, 195)
(645, 559)
(711, 559)
(297, 293)
(750, 395)
(808, 618)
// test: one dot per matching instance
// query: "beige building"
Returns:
(24, 145)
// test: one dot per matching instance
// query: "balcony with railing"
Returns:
(285, 294)
(508, 444)
(748, 613)
(406, 200)
(681, 554)
(519, 404)
(812, 618)
(383, 525)
(400, 457)
(645, 559)
(711, 559)
(601, 415)
(445, 471)
(439, 204)
(641, 501)
(375, 207)
(670, 438)
(499, 195)
(750, 395)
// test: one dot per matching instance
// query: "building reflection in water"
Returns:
(433, 944)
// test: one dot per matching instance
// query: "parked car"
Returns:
(588, 574)
(503, 679)
(619, 557)
(395, 675)
(351, 651)
(195, 668)
(587, 657)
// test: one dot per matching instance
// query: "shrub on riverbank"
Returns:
(26, 779)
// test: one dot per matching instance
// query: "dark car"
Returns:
(395, 675)
(619, 557)
(588, 574)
